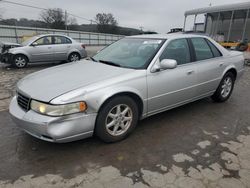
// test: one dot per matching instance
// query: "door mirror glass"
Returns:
(168, 64)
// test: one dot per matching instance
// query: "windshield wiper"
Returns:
(110, 63)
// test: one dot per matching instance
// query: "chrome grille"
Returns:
(23, 101)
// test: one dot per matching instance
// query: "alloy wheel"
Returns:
(74, 57)
(226, 87)
(119, 120)
(20, 61)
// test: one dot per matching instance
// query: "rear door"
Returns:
(210, 65)
(62, 46)
(42, 50)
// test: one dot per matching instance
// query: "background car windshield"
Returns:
(130, 52)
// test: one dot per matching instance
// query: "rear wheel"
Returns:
(73, 57)
(20, 61)
(225, 88)
(116, 119)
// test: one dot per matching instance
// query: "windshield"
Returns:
(26, 42)
(133, 53)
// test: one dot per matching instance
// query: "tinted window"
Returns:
(215, 51)
(202, 50)
(177, 50)
(61, 40)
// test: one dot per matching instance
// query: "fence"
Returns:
(18, 34)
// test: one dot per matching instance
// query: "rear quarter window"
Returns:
(214, 49)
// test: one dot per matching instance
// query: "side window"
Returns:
(202, 50)
(215, 51)
(178, 50)
(44, 40)
(61, 40)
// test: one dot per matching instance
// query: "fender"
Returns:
(232, 66)
(96, 98)
(109, 93)
(19, 51)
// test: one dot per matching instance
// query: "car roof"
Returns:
(43, 35)
(169, 36)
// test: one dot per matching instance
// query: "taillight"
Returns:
(83, 46)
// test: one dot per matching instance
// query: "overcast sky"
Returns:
(157, 15)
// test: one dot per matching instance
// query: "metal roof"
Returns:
(221, 8)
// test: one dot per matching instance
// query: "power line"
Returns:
(24, 5)
(41, 8)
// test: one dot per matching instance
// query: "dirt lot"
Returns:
(203, 144)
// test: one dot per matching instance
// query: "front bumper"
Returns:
(6, 58)
(53, 129)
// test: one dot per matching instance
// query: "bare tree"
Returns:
(54, 18)
(106, 23)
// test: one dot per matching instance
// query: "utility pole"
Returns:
(141, 29)
(66, 20)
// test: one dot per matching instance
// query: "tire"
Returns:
(112, 126)
(20, 61)
(225, 88)
(73, 57)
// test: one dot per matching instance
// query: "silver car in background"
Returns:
(45, 48)
(131, 79)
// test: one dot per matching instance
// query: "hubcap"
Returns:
(74, 57)
(20, 62)
(226, 87)
(119, 119)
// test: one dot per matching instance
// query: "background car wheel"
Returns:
(225, 88)
(20, 61)
(73, 57)
(116, 119)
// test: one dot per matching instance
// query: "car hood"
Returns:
(47, 84)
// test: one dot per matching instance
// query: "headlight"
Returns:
(58, 110)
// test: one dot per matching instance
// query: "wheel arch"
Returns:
(137, 99)
(233, 70)
(25, 55)
(74, 51)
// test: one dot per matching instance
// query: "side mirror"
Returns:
(168, 64)
(34, 44)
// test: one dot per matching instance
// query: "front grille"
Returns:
(23, 101)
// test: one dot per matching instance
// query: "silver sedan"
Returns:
(129, 80)
(45, 48)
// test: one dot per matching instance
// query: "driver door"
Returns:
(42, 50)
(172, 87)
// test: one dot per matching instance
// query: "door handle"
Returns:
(49, 47)
(190, 72)
(221, 64)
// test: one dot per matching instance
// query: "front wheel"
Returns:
(73, 57)
(20, 61)
(225, 88)
(116, 119)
